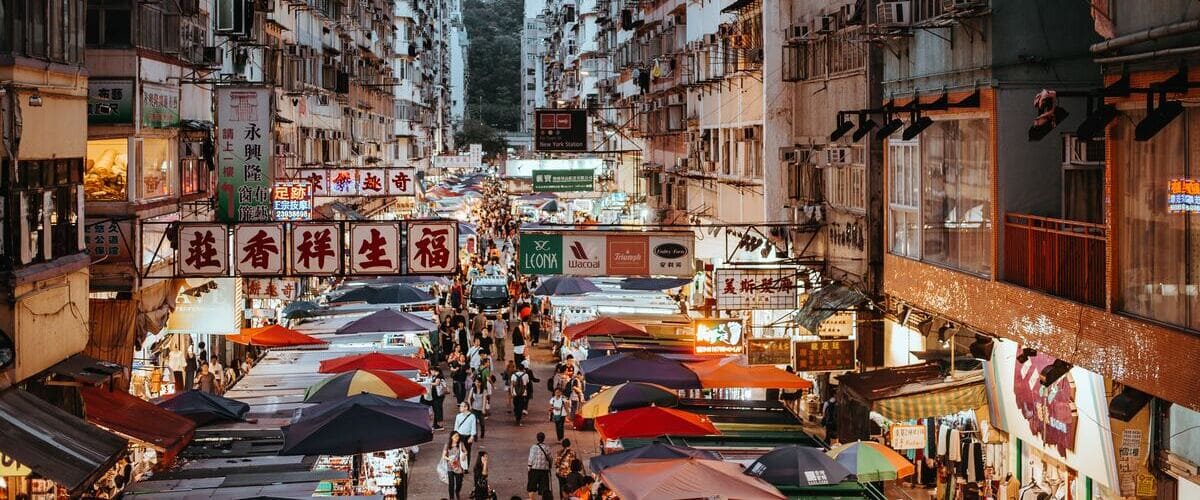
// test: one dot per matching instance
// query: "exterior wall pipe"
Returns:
(1145, 36)
(1148, 55)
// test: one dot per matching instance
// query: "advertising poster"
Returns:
(110, 102)
(215, 307)
(160, 106)
(564, 181)
(292, 200)
(244, 154)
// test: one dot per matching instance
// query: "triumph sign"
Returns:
(607, 253)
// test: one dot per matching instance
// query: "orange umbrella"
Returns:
(273, 336)
(653, 421)
(373, 361)
(730, 372)
(604, 326)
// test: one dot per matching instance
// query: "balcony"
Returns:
(1059, 257)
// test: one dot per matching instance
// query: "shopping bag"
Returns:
(443, 471)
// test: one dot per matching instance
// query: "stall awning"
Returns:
(824, 303)
(86, 369)
(915, 391)
(139, 420)
(54, 443)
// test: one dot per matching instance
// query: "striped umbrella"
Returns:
(871, 461)
(354, 382)
(628, 396)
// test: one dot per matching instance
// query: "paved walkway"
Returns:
(507, 445)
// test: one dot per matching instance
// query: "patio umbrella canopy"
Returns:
(273, 336)
(628, 396)
(374, 361)
(730, 372)
(653, 421)
(795, 465)
(565, 285)
(655, 450)
(360, 424)
(653, 284)
(391, 294)
(551, 206)
(685, 478)
(356, 382)
(639, 367)
(204, 408)
(871, 461)
(604, 326)
(299, 306)
(388, 320)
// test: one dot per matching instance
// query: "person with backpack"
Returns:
(538, 483)
(519, 335)
(519, 389)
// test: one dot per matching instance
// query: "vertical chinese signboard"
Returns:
(562, 130)
(108, 240)
(432, 247)
(244, 154)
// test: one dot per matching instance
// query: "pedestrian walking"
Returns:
(519, 336)
(575, 480)
(177, 363)
(559, 408)
(477, 401)
(206, 381)
(519, 389)
(574, 393)
(454, 462)
(458, 376)
(538, 482)
(562, 465)
(483, 487)
(466, 424)
(499, 333)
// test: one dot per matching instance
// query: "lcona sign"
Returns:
(276, 249)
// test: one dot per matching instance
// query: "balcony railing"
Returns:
(1059, 257)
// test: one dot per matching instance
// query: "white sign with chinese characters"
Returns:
(319, 178)
(908, 437)
(342, 182)
(755, 288)
(316, 248)
(375, 248)
(258, 249)
(372, 182)
(432, 247)
(203, 250)
(402, 181)
(270, 288)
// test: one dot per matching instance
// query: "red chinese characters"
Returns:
(258, 249)
(402, 181)
(372, 182)
(432, 247)
(374, 248)
(203, 250)
(316, 248)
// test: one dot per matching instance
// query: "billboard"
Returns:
(719, 336)
(607, 253)
(755, 288)
(370, 182)
(244, 154)
(292, 200)
(823, 355)
(560, 130)
(213, 307)
(560, 181)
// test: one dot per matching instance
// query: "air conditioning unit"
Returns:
(960, 5)
(798, 32)
(894, 14)
(836, 156)
(789, 155)
(213, 57)
(1082, 153)
(826, 25)
(294, 50)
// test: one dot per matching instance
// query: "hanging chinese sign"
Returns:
(721, 337)
(292, 200)
(317, 178)
(769, 351)
(558, 181)
(1183, 196)
(607, 253)
(342, 182)
(755, 288)
(402, 181)
(110, 101)
(370, 182)
(823, 355)
(243, 154)
(271, 288)
(278, 249)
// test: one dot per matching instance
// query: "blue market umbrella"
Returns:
(565, 285)
(299, 306)
(639, 367)
(363, 423)
(204, 408)
(551, 206)
(655, 450)
(391, 294)
(388, 320)
(794, 465)
(465, 229)
(653, 284)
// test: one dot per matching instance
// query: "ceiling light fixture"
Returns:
(916, 125)
(865, 125)
(1157, 118)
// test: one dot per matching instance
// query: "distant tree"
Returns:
(494, 61)
(477, 132)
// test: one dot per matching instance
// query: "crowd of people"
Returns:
(178, 369)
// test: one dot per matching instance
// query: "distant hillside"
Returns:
(494, 61)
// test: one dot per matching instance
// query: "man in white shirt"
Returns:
(466, 424)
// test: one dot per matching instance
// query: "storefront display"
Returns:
(107, 174)
(158, 162)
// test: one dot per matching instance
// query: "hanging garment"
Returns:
(971, 465)
(954, 446)
(943, 440)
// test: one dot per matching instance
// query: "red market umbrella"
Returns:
(653, 421)
(374, 361)
(728, 372)
(604, 326)
(273, 336)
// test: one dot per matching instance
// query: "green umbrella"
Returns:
(871, 461)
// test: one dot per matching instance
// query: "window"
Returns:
(847, 187)
(46, 202)
(940, 196)
(107, 174)
(109, 23)
(1159, 262)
